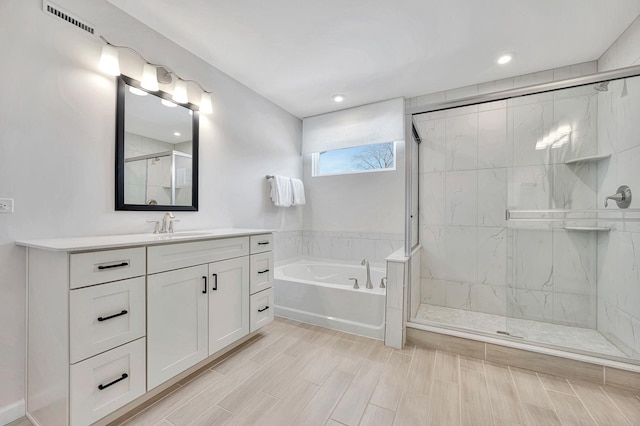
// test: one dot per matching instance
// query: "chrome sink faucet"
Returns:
(167, 224)
(369, 283)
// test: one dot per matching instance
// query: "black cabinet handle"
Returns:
(204, 277)
(123, 312)
(263, 243)
(215, 282)
(263, 272)
(124, 376)
(116, 265)
(263, 309)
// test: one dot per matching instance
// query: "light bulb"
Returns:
(338, 98)
(137, 91)
(180, 92)
(109, 62)
(205, 103)
(168, 103)
(505, 59)
(149, 78)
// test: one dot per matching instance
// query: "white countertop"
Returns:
(128, 240)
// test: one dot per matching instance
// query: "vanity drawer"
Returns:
(104, 266)
(261, 243)
(175, 256)
(261, 270)
(106, 382)
(261, 306)
(104, 316)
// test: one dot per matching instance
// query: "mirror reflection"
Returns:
(157, 159)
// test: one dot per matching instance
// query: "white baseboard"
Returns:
(11, 412)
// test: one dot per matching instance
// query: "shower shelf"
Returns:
(576, 220)
(592, 158)
(587, 228)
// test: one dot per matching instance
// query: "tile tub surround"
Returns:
(343, 246)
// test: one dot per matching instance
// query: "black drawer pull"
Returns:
(204, 277)
(263, 243)
(263, 272)
(263, 309)
(124, 376)
(215, 282)
(123, 312)
(117, 265)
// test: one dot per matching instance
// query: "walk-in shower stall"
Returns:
(160, 178)
(528, 217)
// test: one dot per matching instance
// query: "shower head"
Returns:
(602, 87)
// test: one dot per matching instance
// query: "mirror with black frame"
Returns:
(156, 150)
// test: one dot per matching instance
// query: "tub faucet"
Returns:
(369, 283)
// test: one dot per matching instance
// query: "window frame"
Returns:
(315, 162)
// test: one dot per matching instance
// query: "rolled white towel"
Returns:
(297, 187)
(281, 191)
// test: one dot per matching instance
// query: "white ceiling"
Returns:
(298, 53)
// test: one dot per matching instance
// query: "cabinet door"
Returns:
(176, 322)
(228, 302)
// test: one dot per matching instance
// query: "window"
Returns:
(358, 159)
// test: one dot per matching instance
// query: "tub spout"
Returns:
(366, 263)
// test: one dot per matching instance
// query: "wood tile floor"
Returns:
(297, 374)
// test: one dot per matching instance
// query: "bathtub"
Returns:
(320, 293)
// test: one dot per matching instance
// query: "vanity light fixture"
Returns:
(137, 91)
(152, 74)
(180, 92)
(149, 78)
(338, 98)
(504, 59)
(109, 62)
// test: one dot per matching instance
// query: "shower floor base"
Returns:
(531, 331)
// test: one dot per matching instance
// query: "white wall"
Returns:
(57, 146)
(354, 216)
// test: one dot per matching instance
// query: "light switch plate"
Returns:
(6, 205)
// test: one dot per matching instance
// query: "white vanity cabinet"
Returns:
(112, 319)
(228, 302)
(261, 288)
(177, 322)
(85, 333)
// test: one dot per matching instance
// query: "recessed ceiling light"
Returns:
(338, 98)
(504, 59)
(168, 103)
(176, 133)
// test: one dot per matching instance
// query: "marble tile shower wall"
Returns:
(477, 161)
(342, 246)
(619, 250)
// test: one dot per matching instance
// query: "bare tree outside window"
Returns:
(355, 159)
(378, 156)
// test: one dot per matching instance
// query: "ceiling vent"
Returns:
(55, 10)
